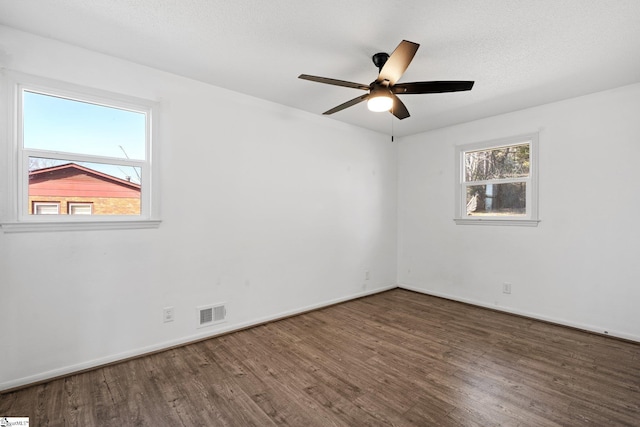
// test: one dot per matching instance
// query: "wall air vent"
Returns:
(211, 314)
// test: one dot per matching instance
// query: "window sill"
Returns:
(31, 227)
(503, 222)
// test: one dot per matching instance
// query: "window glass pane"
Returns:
(65, 125)
(497, 163)
(110, 189)
(497, 199)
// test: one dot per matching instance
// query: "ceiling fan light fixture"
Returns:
(380, 102)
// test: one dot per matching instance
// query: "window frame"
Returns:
(17, 217)
(530, 218)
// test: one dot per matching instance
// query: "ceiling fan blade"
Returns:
(398, 62)
(334, 82)
(399, 109)
(347, 104)
(432, 87)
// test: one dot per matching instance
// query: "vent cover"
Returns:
(211, 314)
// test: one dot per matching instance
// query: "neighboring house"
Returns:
(77, 190)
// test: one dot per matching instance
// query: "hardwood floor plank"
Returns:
(396, 358)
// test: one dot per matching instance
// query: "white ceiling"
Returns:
(520, 53)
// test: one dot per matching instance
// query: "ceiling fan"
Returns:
(382, 91)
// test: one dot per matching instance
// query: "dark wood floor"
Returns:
(396, 358)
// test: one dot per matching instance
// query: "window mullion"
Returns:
(498, 181)
(57, 155)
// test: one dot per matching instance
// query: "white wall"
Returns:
(269, 209)
(580, 266)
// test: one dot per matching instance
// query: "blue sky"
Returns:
(63, 125)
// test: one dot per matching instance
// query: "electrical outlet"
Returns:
(506, 288)
(367, 276)
(167, 314)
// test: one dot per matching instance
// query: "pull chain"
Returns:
(392, 117)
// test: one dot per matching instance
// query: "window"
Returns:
(87, 151)
(79, 208)
(41, 208)
(497, 182)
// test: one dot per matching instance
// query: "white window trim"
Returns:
(15, 218)
(531, 219)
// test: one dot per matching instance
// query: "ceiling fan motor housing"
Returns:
(379, 59)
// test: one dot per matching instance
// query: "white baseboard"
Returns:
(563, 322)
(225, 329)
